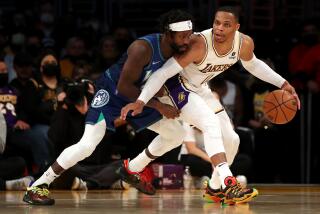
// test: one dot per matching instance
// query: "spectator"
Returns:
(11, 167)
(21, 136)
(34, 43)
(123, 36)
(23, 66)
(75, 51)
(108, 54)
(45, 93)
(302, 57)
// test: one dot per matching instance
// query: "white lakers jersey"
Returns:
(194, 75)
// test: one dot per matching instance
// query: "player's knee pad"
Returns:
(92, 136)
(85, 149)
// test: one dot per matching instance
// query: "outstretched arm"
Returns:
(261, 70)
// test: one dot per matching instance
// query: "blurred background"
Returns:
(87, 36)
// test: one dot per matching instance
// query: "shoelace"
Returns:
(236, 189)
(40, 191)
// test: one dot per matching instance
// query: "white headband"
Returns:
(181, 26)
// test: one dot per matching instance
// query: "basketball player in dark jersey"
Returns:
(119, 85)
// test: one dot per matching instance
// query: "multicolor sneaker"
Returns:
(212, 195)
(135, 179)
(38, 195)
(235, 194)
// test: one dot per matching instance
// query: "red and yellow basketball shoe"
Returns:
(140, 180)
(235, 194)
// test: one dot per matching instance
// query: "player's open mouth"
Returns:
(218, 36)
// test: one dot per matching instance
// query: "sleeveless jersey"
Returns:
(107, 102)
(157, 60)
(213, 64)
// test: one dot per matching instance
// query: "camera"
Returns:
(76, 90)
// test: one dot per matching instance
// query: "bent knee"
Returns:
(173, 132)
(85, 149)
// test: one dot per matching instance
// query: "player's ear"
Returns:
(237, 26)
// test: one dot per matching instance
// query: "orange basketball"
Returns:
(279, 106)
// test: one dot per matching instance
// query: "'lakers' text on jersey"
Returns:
(215, 68)
(213, 64)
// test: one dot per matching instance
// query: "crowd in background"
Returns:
(48, 66)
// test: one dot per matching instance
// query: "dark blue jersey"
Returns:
(155, 63)
(107, 103)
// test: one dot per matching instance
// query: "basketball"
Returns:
(279, 106)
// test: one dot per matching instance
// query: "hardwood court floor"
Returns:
(272, 199)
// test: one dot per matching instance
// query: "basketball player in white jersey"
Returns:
(212, 52)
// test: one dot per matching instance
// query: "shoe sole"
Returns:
(135, 185)
(252, 196)
(231, 202)
(29, 201)
(211, 199)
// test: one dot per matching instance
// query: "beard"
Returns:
(179, 49)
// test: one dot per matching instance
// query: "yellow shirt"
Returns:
(258, 100)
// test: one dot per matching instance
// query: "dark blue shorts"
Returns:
(107, 105)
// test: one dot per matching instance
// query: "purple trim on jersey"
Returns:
(178, 94)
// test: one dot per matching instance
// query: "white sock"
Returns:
(223, 171)
(140, 162)
(214, 182)
(46, 178)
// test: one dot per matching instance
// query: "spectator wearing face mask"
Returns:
(43, 96)
(20, 137)
(46, 92)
